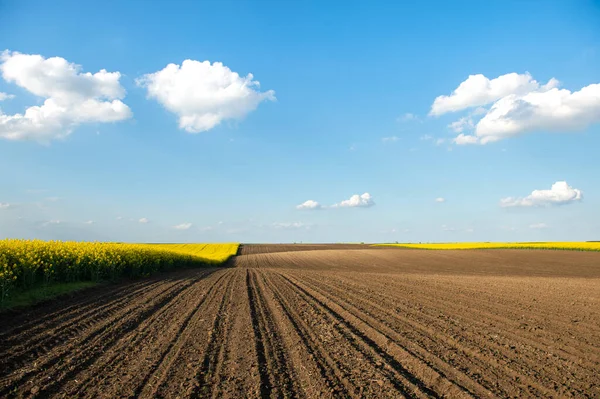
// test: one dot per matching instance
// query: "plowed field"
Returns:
(322, 322)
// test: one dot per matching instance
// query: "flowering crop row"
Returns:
(28, 263)
(575, 246)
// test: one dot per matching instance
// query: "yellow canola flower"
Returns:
(574, 246)
(25, 263)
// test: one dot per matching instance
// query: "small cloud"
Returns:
(462, 124)
(559, 194)
(469, 230)
(440, 141)
(6, 96)
(119, 218)
(538, 226)
(143, 220)
(440, 199)
(50, 222)
(407, 117)
(426, 137)
(291, 225)
(5, 205)
(390, 139)
(182, 226)
(89, 222)
(447, 228)
(509, 228)
(310, 204)
(207, 228)
(52, 199)
(357, 201)
(463, 139)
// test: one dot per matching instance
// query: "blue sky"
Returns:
(476, 103)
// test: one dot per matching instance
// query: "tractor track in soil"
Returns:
(321, 321)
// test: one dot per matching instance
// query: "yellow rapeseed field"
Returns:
(213, 253)
(25, 264)
(574, 246)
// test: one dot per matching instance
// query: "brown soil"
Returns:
(322, 323)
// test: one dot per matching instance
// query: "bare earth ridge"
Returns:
(322, 321)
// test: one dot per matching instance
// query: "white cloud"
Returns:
(462, 139)
(447, 228)
(4, 205)
(143, 220)
(440, 199)
(538, 226)
(119, 218)
(291, 225)
(50, 222)
(71, 97)
(5, 96)
(426, 137)
(478, 90)
(203, 95)
(460, 125)
(520, 105)
(363, 201)
(440, 141)
(550, 110)
(408, 117)
(89, 222)
(560, 194)
(390, 139)
(182, 226)
(469, 230)
(310, 204)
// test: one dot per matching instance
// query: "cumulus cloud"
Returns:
(551, 110)
(5, 96)
(357, 201)
(538, 226)
(183, 226)
(310, 204)
(71, 97)
(559, 194)
(478, 90)
(519, 105)
(203, 95)
(143, 220)
(440, 199)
